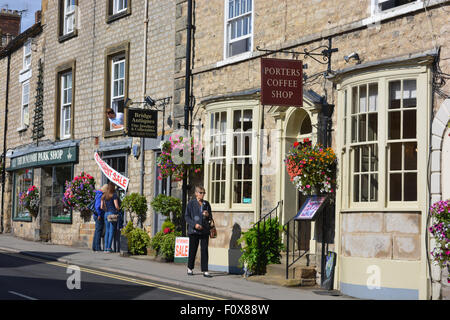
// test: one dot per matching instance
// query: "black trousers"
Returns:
(194, 240)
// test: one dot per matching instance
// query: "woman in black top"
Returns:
(198, 214)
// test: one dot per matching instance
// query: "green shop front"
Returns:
(47, 167)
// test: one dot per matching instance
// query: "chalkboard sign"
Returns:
(142, 123)
(310, 209)
(328, 276)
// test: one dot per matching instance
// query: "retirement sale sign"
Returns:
(281, 82)
(115, 177)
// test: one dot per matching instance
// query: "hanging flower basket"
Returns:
(440, 229)
(80, 192)
(312, 169)
(171, 161)
(30, 200)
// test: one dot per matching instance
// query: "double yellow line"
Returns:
(123, 278)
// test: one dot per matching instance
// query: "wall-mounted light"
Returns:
(354, 56)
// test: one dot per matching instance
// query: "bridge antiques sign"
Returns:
(281, 82)
(44, 158)
(142, 123)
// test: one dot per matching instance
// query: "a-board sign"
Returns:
(142, 123)
(281, 82)
(181, 249)
(328, 277)
(311, 208)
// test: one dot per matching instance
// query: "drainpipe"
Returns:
(4, 141)
(187, 92)
(144, 85)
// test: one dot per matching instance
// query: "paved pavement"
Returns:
(223, 284)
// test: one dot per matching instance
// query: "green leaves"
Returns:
(138, 241)
(257, 254)
(135, 204)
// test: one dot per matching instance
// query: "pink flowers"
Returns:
(440, 230)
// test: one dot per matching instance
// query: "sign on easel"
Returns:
(328, 276)
(181, 249)
(310, 209)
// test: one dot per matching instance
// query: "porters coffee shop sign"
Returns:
(281, 82)
(44, 158)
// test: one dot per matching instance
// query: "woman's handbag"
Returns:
(113, 217)
(212, 229)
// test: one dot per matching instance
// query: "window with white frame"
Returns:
(27, 55)
(69, 16)
(118, 84)
(238, 26)
(119, 6)
(66, 105)
(384, 5)
(382, 138)
(25, 104)
(231, 161)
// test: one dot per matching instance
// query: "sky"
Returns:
(27, 17)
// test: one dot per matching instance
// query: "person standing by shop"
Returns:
(110, 204)
(99, 218)
(198, 215)
(120, 221)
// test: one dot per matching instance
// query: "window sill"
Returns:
(117, 16)
(68, 221)
(235, 59)
(68, 36)
(21, 219)
(108, 134)
(22, 129)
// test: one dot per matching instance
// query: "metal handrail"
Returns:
(295, 240)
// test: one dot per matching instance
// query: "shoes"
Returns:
(190, 272)
(207, 275)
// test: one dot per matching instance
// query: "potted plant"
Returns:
(312, 169)
(171, 162)
(136, 205)
(440, 229)
(168, 206)
(80, 192)
(30, 200)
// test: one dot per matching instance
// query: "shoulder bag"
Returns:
(212, 229)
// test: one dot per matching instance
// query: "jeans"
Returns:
(194, 240)
(99, 225)
(111, 227)
(116, 239)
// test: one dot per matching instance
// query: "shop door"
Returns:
(161, 187)
(304, 227)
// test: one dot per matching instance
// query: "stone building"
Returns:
(9, 26)
(94, 56)
(391, 108)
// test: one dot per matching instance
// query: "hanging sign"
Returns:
(281, 82)
(112, 175)
(181, 249)
(142, 123)
(45, 158)
(312, 206)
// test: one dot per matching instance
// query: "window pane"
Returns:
(237, 169)
(223, 121)
(237, 126)
(396, 156)
(356, 159)
(365, 159)
(373, 127)
(247, 169)
(373, 187)
(222, 192)
(394, 125)
(364, 187)
(237, 192)
(409, 124)
(373, 97)
(354, 129)
(409, 94)
(410, 156)
(362, 99)
(395, 187)
(373, 157)
(362, 128)
(356, 188)
(410, 187)
(26, 115)
(240, 46)
(354, 100)
(231, 9)
(23, 180)
(247, 192)
(394, 94)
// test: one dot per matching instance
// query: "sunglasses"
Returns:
(202, 192)
(110, 112)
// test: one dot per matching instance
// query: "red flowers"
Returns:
(296, 144)
(167, 230)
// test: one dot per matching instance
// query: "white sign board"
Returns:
(181, 249)
(115, 177)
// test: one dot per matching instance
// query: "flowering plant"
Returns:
(311, 167)
(171, 161)
(80, 192)
(30, 200)
(440, 229)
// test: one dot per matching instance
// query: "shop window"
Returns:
(231, 165)
(53, 188)
(383, 134)
(239, 32)
(118, 161)
(23, 179)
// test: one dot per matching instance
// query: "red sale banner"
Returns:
(115, 177)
